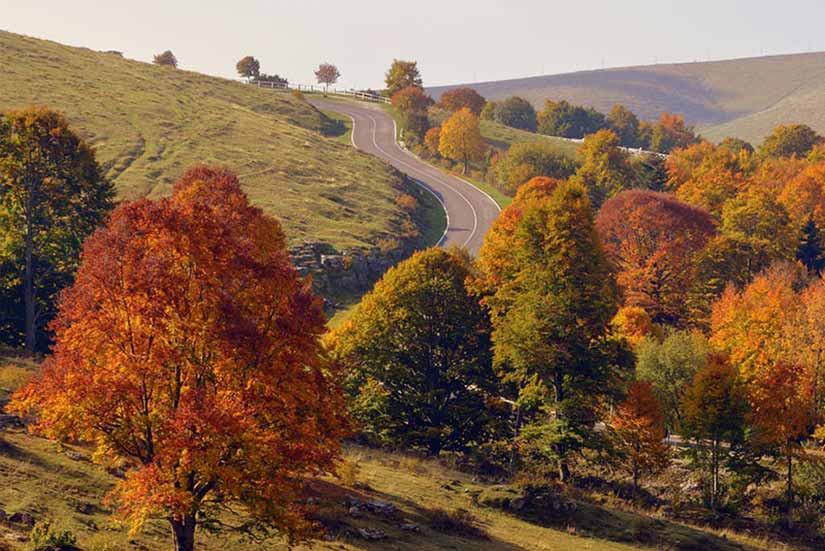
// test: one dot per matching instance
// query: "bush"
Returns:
(458, 522)
(44, 537)
(526, 160)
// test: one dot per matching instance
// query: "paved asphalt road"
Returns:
(470, 212)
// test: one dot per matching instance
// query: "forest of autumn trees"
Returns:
(619, 299)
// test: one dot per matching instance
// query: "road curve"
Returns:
(470, 211)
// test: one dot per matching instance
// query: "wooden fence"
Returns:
(313, 89)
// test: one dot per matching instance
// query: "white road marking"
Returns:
(419, 171)
(422, 185)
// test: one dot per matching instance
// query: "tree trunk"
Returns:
(564, 470)
(714, 487)
(635, 477)
(28, 277)
(789, 491)
(464, 170)
(184, 533)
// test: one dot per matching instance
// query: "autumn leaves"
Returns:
(188, 348)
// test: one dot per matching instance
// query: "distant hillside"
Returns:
(150, 123)
(740, 97)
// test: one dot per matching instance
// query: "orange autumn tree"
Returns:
(495, 259)
(754, 326)
(188, 347)
(639, 426)
(780, 398)
(461, 139)
(651, 239)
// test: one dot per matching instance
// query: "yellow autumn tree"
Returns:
(461, 140)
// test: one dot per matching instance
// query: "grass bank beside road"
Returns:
(149, 123)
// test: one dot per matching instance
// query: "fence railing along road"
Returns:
(313, 89)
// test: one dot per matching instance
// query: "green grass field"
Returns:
(149, 123)
(502, 137)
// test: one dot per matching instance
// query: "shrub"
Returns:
(44, 537)
(457, 522)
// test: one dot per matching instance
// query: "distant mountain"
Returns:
(739, 97)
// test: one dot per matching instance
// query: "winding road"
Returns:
(470, 211)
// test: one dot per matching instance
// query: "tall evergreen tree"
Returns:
(810, 251)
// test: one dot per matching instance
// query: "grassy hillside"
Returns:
(60, 484)
(743, 97)
(150, 123)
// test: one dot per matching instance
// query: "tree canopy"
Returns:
(460, 138)
(248, 67)
(652, 238)
(418, 355)
(52, 196)
(189, 347)
(459, 98)
(166, 58)
(402, 74)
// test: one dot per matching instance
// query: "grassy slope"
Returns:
(744, 97)
(38, 478)
(150, 123)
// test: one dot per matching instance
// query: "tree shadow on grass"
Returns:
(595, 521)
(408, 525)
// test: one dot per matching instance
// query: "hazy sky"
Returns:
(453, 40)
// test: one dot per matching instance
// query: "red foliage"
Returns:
(651, 238)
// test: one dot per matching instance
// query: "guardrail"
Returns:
(313, 89)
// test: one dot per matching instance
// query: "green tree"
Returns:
(625, 124)
(527, 160)
(759, 221)
(488, 112)
(605, 168)
(418, 353)
(789, 140)
(736, 145)
(715, 406)
(569, 121)
(516, 112)
(670, 366)
(402, 74)
(551, 318)
(52, 196)
(248, 67)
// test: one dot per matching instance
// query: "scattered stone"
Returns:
(75, 456)
(410, 527)
(313, 501)
(3, 516)
(380, 507)
(22, 518)
(354, 512)
(10, 421)
(117, 473)
(372, 534)
(84, 508)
